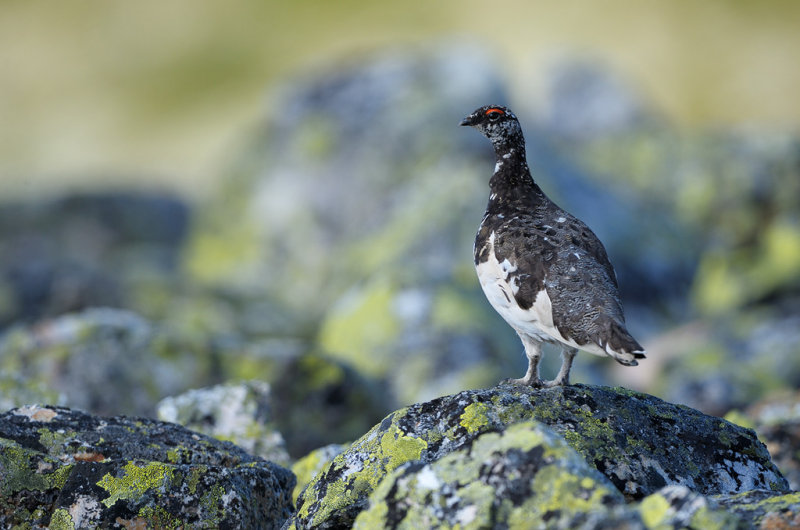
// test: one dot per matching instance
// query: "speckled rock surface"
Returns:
(236, 412)
(763, 509)
(777, 422)
(307, 467)
(107, 361)
(520, 477)
(638, 442)
(679, 507)
(62, 469)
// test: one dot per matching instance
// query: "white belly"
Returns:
(536, 321)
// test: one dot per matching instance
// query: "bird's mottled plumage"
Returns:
(541, 268)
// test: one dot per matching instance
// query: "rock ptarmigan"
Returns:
(541, 268)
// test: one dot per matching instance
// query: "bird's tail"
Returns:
(622, 346)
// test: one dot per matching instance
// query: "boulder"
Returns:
(310, 465)
(515, 478)
(61, 468)
(777, 422)
(317, 401)
(82, 250)
(106, 361)
(639, 443)
(237, 412)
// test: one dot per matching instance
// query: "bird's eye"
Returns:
(494, 114)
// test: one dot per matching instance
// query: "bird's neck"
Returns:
(511, 169)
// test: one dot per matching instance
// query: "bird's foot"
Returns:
(554, 382)
(524, 381)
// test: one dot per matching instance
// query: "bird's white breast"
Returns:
(499, 284)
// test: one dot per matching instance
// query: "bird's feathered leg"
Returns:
(533, 351)
(562, 379)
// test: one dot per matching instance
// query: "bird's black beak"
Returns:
(469, 120)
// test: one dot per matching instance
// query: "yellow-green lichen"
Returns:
(707, 519)
(362, 329)
(307, 468)
(136, 481)
(194, 478)
(375, 517)
(397, 448)
(158, 517)
(387, 451)
(474, 417)
(21, 470)
(773, 503)
(61, 520)
(214, 505)
(557, 489)
(738, 418)
(654, 510)
(451, 493)
(54, 440)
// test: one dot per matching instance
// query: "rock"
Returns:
(107, 361)
(764, 509)
(777, 422)
(732, 362)
(638, 442)
(516, 478)
(66, 469)
(587, 100)
(318, 400)
(83, 250)
(679, 507)
(313, 463)
(240, 413)
(15, 390)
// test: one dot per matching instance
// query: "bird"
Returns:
(541, 268)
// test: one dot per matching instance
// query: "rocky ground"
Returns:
(328, 283)
(502, 457)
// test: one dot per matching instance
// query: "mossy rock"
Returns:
(66, 469)
(637, 441)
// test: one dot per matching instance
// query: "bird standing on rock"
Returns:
(541, 268)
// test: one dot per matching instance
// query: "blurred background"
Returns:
(194, 193)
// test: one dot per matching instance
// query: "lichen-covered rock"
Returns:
(764, 509)
(318, 400)
(107, 361)
(522, 477)
(236, 412)
(679, 507)
(16, 390)
(69, 253)
(777, 422)
(61, 468)
(638, 442)
(307, 467)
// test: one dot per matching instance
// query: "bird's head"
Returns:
(498, 124)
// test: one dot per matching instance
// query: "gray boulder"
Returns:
(777, 422)
(66, 469)
(79, 357)
(516, 478)
(307, 467)
(237, 412)
(82, 250)
(638, 442)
